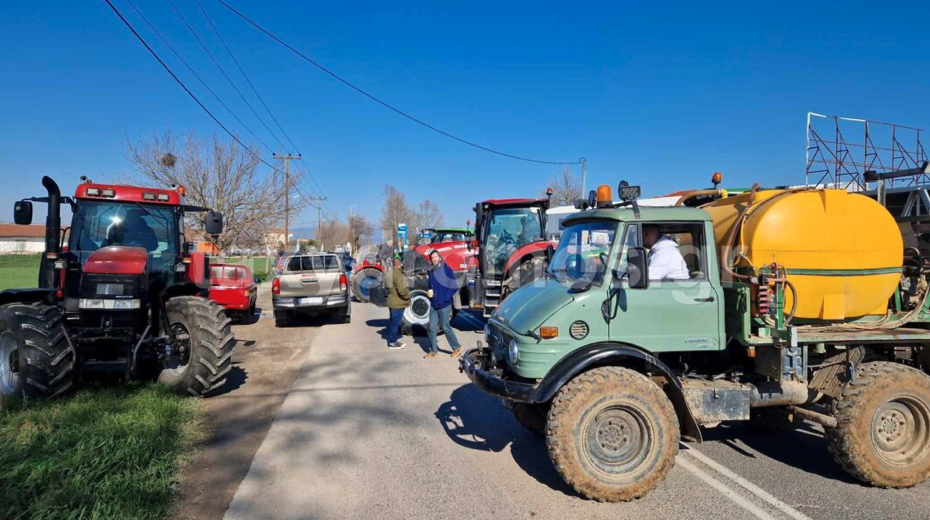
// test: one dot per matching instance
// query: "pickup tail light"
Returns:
(276, 286)
(343, 282)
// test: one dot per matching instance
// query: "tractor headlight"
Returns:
(513, 351)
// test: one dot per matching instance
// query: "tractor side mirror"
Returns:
(22, 213)
(214, 223)
(637, 267)
(550, 251)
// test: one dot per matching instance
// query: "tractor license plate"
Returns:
(313, 300)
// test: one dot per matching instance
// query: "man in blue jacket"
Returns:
(442, 287)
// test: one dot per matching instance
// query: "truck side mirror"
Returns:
(214, 223)
(549, 253)
(22, 213)
(637, 267)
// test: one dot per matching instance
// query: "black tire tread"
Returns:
(211, 356)
(47, 357)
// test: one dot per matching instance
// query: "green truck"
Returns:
(614, 368)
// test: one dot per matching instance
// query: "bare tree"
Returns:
(428, 215)
(219, 175)
(566, 188)
(395, 211)
(360, 229)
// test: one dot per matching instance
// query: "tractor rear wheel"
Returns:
(205, 344)
(36, 357)
(612, 434)
(364, 282)
(882, 435)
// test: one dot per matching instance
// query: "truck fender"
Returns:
(613, 353)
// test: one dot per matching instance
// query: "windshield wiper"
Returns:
(533, 335)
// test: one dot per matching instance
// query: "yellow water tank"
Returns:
(843, 251)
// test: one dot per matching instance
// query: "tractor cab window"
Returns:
(101, 224)
(583, 252)
(507, 230)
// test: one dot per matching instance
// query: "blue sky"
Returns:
(661, 95)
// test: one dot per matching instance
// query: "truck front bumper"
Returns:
(476, 364)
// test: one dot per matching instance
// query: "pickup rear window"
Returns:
(313, 263)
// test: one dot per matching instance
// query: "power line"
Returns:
(187, 90)
(384, 103)
(244, 75)
(191, 70)
(223, 72)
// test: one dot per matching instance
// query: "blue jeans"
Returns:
(441, 317)
(394, 325)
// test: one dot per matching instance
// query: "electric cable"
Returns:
(223, 72)
(244, 75)
(384, 103)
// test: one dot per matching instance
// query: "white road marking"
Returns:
(725, 490)
(745, 484)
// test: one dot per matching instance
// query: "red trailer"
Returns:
(233, 287)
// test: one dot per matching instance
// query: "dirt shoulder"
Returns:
(265, 363)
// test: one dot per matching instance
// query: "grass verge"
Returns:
(106, 452)
(19, 271)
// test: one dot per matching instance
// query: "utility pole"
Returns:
(584, 175)
(287, 193)
(319, 218)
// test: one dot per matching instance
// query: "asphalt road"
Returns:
(371, 433)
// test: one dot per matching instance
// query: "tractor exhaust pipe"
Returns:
(48, 276)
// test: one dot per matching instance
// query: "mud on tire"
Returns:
(37, 358)
(208, 350)
(612, 434)
(882, 436)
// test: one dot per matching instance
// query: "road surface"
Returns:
(370, 433)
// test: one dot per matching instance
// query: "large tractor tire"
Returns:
(364, 281)
(525, 274)
(415, 320)
(531, 416)
(882, 436)
(36, 357)
(207, 342)
(612, 434)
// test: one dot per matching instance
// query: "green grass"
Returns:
(19, 271)
(106, 452)
(255, 264)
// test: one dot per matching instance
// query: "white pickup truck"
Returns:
(311, 284)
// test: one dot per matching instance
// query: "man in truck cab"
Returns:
(665, 260)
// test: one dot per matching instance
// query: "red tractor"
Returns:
(507, 250)
(512, 249)
(126, 295)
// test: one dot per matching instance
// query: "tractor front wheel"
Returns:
(204, 343)
(36, 358)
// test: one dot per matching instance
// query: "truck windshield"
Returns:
(507, 230)
(99, 224)
(578, 257)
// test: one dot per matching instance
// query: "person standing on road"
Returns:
(442, 287)
(398, 300)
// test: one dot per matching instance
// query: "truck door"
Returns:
(682, 312)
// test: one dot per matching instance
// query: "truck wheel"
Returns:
(206, 346)
(345, 316)
(282, 319)
(531, 416)
(882, 436)
(364, 281)
(612, 434)
(36, 357)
